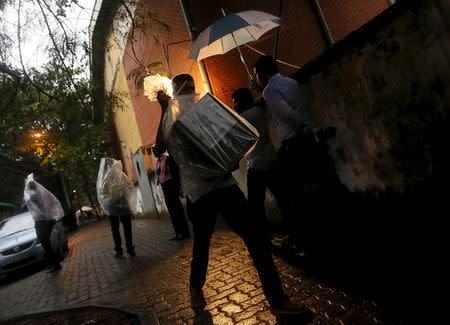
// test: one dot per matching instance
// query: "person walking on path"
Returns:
(169, 178)
(45, 209)
(224, 197)
(303, 155)
(262, 162)
(115, 191)
(285, 100)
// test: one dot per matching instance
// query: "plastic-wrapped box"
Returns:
(207, 140)
(41, 203)
(115, 191)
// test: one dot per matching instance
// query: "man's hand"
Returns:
(163, 99)
(255, 85)
(156, 151)
(325, 134)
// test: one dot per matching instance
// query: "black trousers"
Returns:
(230, 202)
(43, 233)
(257, 183)
(171, 189)
(126, 223)
(311, 180)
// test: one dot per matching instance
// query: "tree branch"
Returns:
(38, 88)
(58, 52)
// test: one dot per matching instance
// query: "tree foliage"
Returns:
(47, 114)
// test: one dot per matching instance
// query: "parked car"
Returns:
(19, 246)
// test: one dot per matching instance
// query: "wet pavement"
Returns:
(154, 284)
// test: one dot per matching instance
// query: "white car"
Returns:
(19, 246)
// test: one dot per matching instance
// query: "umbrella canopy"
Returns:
(232, 31)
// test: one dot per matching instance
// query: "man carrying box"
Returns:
(211, 189)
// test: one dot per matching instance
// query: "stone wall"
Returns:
(386, 89)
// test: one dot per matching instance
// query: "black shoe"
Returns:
(54, 268)
(288, 307)
(182, 236)
(118, 254)
(174, 237)
(280, 242)
(298, 250)
(132, 253)
(198, 300)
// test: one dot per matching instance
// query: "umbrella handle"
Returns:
(239, 50)
(243, 61)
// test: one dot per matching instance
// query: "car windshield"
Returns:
(15, 224)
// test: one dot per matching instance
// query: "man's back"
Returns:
(286, 101)
(264, 153)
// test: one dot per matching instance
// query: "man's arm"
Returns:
(160, 145)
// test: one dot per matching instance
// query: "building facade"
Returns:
(148, 37)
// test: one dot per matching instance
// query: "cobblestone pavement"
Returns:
(154, 284)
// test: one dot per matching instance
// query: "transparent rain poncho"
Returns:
(207, 140)
(41, 203)
(115, 191)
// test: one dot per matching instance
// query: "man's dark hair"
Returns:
(267, 64)
(243, 97)
(180, 79)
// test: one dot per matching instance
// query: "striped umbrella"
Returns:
(230, 32)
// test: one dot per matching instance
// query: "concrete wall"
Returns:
(126, 137)
(125, 123)
(386, 89)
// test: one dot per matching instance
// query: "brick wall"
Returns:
(345, 16)
(300, 41)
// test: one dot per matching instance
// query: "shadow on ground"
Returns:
(76, 316)
(387, 249)
(22, 273)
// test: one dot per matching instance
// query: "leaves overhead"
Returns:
(47, 113)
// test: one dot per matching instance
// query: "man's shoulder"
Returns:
(253, 113)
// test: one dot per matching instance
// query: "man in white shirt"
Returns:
(226, 198)
(286, 102)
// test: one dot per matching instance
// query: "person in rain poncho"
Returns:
(45, 210)
(215, 194)
(115, 191)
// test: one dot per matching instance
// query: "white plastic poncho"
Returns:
(207, 140)
(41, 203)
(115, 191)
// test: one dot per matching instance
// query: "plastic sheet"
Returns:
(41, 203)
(154, 83)
(207, 140)
(115, 191)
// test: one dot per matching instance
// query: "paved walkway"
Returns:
(154, 284)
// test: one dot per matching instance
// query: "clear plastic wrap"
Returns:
(115, 191)
(41, 203)
(154, 83)
(207, 140)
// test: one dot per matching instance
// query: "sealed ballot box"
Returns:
(207, 137)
